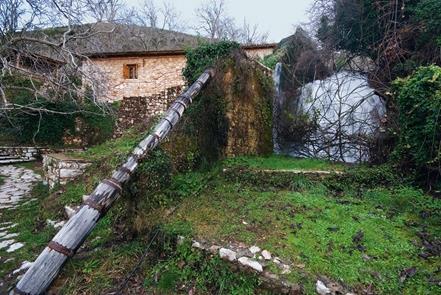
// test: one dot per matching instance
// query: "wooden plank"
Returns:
(72, 235)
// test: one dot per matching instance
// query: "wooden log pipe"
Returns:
(72, 235)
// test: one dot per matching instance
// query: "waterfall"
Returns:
(347, 116)
(277, 104)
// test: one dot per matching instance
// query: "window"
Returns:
(130, 71)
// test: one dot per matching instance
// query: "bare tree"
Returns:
(216, 24)
(214, 21)
(250, 34)
(104, 10)
(41, 64)
(164, 16)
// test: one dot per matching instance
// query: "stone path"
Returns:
(16, 188)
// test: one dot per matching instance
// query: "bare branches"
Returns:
(164, 17)
(216, 24)
(104, 10)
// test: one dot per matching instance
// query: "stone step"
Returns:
(7, 157)
(16, 161)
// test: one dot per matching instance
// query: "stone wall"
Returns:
(59, 168)
(28, 153)
(155, 74)
(137, 111)
(258, 53)
(32, 152)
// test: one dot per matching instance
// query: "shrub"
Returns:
(204, 56)
(419, 103)
(47, 122)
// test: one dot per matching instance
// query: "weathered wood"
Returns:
(47, 266)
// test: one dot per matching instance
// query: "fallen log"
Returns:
(72, 235)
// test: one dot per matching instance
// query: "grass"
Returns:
(280, 162)
(2, 179)
(309, 222)
(33, 231)
(309, 225)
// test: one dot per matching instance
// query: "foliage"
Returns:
(390, 32)
(355, 27)
(419, 102)
(428, 14)
(205, 56)
(271, 60)
(190, 267)
(312, 226)
(49, 122)
(361, 178)
(238, 84)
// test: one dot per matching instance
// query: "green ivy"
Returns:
(46, 122)
(204, 56)
(419, 103)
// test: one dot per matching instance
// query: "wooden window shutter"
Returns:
(125, 72)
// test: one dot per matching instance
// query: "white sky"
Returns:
(277, 17)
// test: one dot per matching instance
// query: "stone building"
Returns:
(141, 61)
(141, 68)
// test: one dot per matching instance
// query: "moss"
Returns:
(310, 226)
(33, 231)
(233, 115)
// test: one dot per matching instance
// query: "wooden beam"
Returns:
(72, 235)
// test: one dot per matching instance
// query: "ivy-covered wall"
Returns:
(232, 116)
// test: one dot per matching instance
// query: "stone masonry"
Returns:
(155, 72)
(135, 111)
(59, 168)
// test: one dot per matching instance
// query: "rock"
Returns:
(244, 252)
(266, 255)
(270, 276)
(69, 211)
(24, 265)
(254, 249)
(227, 254)
(321, 288)
(214, 249)
(198, 245)
(286, 269)
(14, 247)
(85, 197)
(180, 240)
(251, 263)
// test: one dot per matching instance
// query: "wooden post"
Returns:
(70, 237)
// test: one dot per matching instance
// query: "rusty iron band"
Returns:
(113, 183)
(181, 103)
(60, 249)
(20, 292)
(169, 123)
(94, 205)
(176, 112)
(187, 97)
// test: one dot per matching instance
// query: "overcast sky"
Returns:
(277, 17)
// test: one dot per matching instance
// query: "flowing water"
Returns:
(347, 115)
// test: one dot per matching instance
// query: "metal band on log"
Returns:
(70, 237)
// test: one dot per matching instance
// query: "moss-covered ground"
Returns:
(368, 231)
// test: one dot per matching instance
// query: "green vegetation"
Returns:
(49, 122)
(364, 228)
(280, 162)
(33, 230)
(205, 56)
(419, 102)
(361, 234)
